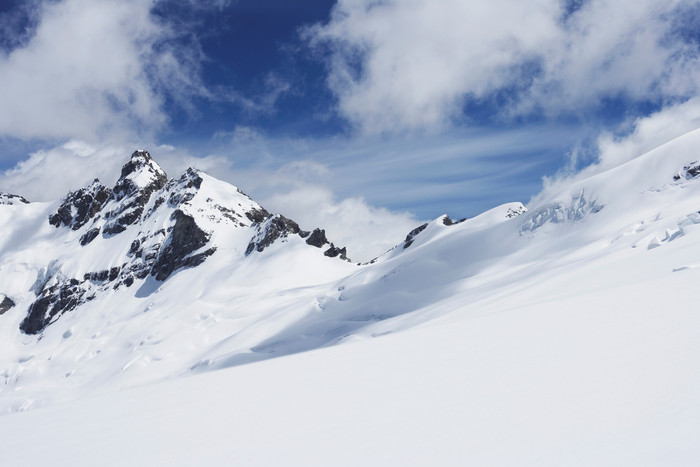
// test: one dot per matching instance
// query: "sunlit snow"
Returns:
(568, 334)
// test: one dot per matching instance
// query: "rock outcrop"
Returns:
(5, 304)
(413, 233)
(140, 177)
(81, 206)
(688, 172)
(185, 238)
(271, 229)
(11, 200)
(317, 238)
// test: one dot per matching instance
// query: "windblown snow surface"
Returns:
(565, 335)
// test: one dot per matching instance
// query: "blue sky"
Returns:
(402, 110)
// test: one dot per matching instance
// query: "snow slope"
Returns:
(567, 334)
(572, 370)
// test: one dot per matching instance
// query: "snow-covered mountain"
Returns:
(82, 279)
(564, 333)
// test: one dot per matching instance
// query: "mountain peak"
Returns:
(177, 224)
(141, 172)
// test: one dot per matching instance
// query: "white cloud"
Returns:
(94, 70)
(414, 64)
(365, 230)
(48, 174)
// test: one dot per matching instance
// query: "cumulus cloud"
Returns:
(95, 70)
(419, 64)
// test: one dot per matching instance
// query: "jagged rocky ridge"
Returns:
(157, 215)
(164, 225)
(10, 199)
(278, 226)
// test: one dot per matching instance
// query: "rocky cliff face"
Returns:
(167, 225)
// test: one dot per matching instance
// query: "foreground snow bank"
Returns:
(594, 367)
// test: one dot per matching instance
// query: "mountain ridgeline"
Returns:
(165, 229)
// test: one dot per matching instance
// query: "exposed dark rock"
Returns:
(447, 221)
(134, 196)
(134, 249)
(5, 304)
(275, 227)
(113, 229)
(52, 302)
(178, 198)
(158, 202)
(140, 161)
(334, 251)
(257, 216)
(80, 206)
(10, 199)
(184, 189)
(317, 238)
(185, 238)
(120, 224)
(689, 172)
(141, 272)
(192, 177)
(114, 273)
(196, 260)
(100, 276)
(140, 178)
(511, 213)
(229, 214)
(412, 234)
(151, 255)
(89, 236)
